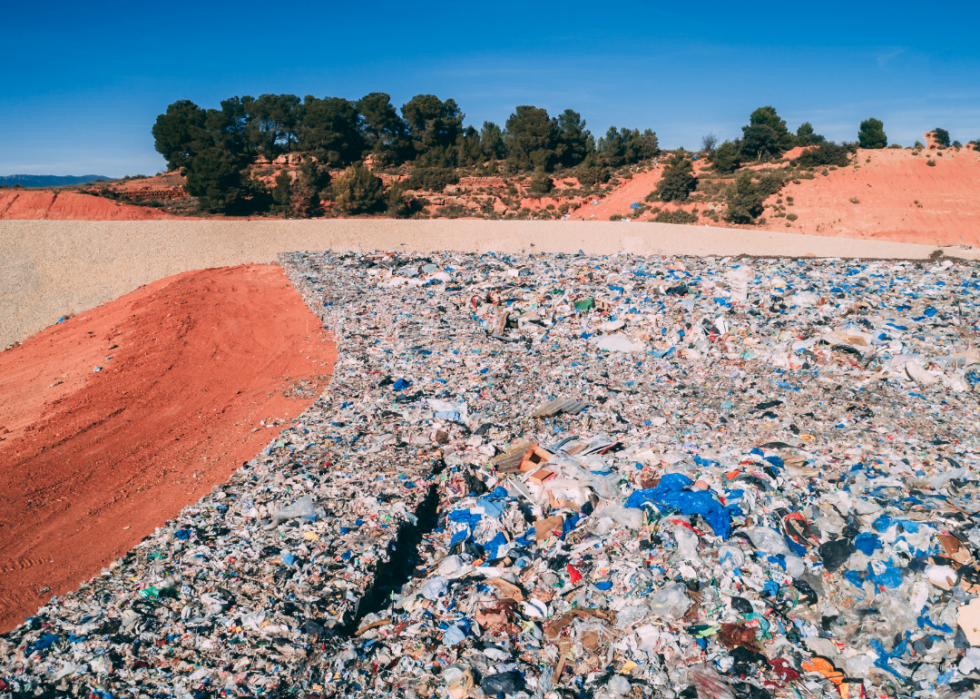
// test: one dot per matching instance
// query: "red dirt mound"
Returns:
(93, 461)
(632, 191)
(36, 204)
(891, 195)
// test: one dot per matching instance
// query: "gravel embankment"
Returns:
(54, 268)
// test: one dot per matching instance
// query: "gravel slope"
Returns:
(54, 268)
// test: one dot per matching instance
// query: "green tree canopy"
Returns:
(625, 146)
(214, 177)
(767, 116)
(726, 158)
(760, 142)
(469, 150)
(385, 132)
(824, 154)
(432, 123)
(179, 134)
(315, 176)
(872, 134)
(282, 193)
(432, 179)
(331, 130)
(678, 181)
(312, 185)
(590, 173)
(541, 185)
(492, 141)
(357, 191)
(744, 200)
(531, 138)
(806, 137)
(941, 137)
(572, 137)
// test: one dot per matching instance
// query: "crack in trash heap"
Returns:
(575, 476)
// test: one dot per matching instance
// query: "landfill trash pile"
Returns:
(568, 476)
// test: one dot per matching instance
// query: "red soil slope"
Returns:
(887, 189)
(619, 200)
(632, 191)
(92, 462)
(900, 198)
(36, 204)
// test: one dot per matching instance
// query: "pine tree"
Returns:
(357, 191)
(678, 180)
(872, 134)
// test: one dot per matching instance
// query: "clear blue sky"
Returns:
(83, 83)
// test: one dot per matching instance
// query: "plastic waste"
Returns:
(304, 507)
(772, 491)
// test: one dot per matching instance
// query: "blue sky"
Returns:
(84, 83)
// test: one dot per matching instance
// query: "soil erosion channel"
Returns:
(112, 421)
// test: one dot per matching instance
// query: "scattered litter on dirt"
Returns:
(576, 476)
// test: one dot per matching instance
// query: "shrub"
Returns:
(678, 181)
(590, 174)
(679, 216)
(453, 211)
(825, 154)
(357, 191)
(745, 202)
(616, 217)
(541, 185)
(726, 158)
(282, 192)
(855, 200)
(431, 179)
(400, 206)
(806, 137)
(941, 137)
(312, 185)
(957, 145)
(791, 217)
(214, 177)
(872, 134)
(770, 183)
(918, 145)
(931, 163)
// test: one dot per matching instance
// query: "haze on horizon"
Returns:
(83, 87)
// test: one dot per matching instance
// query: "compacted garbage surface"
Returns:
(575, 476)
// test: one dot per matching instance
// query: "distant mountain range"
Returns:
(48, 180)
